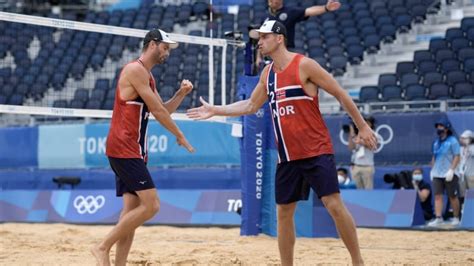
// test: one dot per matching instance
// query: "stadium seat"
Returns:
(465, 53)
(431, 78)
(426, 66)
(458, 44)
(455, 77)
(438, 91)
(369, 94)
(468, 65)
(409, 79)
(437, 44)
(453, 33)
(463, 89)
(60, 104)
(415, 91)
(450, 65)
(338, 65)
(390, 93)
(387, 80)
(355, 53)
(467, 23)
(404, 68)
(93, 104)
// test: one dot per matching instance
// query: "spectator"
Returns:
(289, 16)
(345, 181)
(423, 190)
(445, 159)
(466, 168)
(362, 159)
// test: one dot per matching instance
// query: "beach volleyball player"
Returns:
(135, 98)
(290, 84)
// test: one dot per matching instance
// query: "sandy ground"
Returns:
(63, 244)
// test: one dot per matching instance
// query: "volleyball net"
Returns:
(69, 66)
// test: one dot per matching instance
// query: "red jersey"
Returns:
(128, 130)
(299, 127)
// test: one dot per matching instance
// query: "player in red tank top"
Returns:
(135, 98)
(290, 84)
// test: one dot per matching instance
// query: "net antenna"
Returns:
(122, 31)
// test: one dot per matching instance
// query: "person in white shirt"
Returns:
(466, 166)
(362, 159)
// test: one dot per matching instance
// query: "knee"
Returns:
(285, 213)
(152, 209)
(335, 208)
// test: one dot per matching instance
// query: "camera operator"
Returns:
(446, 151)
(362, 158)
(423, 190)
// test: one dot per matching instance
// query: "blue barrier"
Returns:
(191, 207)
(83, 146)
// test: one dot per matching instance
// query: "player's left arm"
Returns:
(312, 72)
(172, 104)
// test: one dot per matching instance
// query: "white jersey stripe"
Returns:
(279, 123)
(295, 98)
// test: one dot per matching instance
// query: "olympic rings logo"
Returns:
(89, 204)
(381, 141)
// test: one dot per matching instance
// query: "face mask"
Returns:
(440, 132)
(417, 177)
(340, 179)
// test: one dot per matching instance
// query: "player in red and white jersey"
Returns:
(135, 98)
(306, 157)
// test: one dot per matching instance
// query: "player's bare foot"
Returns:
(101, 256)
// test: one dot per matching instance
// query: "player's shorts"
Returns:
(440, 184)
(294, 179)
(131, 175)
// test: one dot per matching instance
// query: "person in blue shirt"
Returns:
(345, 182)
(446, 156)
(289, 16)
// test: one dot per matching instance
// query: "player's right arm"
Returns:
(139, 80)
(244, 107)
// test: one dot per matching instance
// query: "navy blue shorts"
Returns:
(294, 179)
(130, 175)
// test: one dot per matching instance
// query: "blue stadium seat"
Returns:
(450, 65)
(409, 79)
(352, 40)
(387, 80)
(338, 65)
(108, 104)
(463, 89)
(438, 91)
(93, 104)
(387, 33)
(453, 33)
(437, 44)
(432, 78)
(415, 91)
(371, 43)
(391, 93)
(418, 12)
(98, 95)
(455, 77)
(467, 23)
(16, 99)
(335, 51)
(444, 54)
(465, 53)
(403, 23)
(355, 54)
(3, 99)
(458, 44)
(426, 66)
(404, 68)
(81, 94)
(102, 84)
(76, 104)
(469, 65)
(167, 92)
(60, 104)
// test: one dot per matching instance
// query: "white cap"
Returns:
(159, 36)
(467, 134)
(270, 26)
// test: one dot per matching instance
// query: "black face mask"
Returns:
(439, 132)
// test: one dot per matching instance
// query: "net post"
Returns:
(223, 75)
